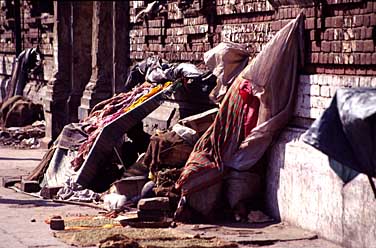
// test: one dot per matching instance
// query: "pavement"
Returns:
(22, 217)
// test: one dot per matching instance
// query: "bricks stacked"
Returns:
(339, 43)
(316, 91)
(171, 35)
(7, 44)
(32, 29)
(342, 42)
(226, 7)
(186, 34)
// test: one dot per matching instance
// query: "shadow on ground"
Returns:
(29, 203)
(7, 158)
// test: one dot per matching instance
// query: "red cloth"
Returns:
(236, 117)
(250, 108)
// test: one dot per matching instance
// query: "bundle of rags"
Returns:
(107, 111)
(81, 136)
(257, 106)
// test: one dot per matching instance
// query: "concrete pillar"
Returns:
(81, 54)
(58, 88)
(121, 44)
(100, 83)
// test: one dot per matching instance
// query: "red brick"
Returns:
(358, 20)
(338, 34)
(312, 35)
(276, 25)
(289, 13)
(369, 33)
(337, 21)
(364, 59)
(325, 46)
(315, 58)
(331, 58)
(374, 58)
(338, 12)
(347, 21)
(366, 20)
(328, 22)
(366, 33)
(372, 19)
(295, 12)
(326, 35)
(357, 60)
(323, 58)
(350, 71)
(310, 23)
(354, 11)
(369, 8)
(330, 34)
(329, 70)
(340, 71)
(336, 46)
(357, 33)
(315, 47)
(371, 72)
(310, 12)
(368, 46)
(361, 71)
(338, 58)
(357, 46)
(320, 69)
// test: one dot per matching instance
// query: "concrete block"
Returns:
(49, 192)
(303, 190)
(57, 223)
(315, 90)
(152, 215)
(30, 186)
(325, 91)
(10, 181)
(130, 186)
(155, 203)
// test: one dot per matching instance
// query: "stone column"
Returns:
(121, 44)
(58, 88)
(81, 54)
(100, 84)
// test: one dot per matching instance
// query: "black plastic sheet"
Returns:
(346, 132)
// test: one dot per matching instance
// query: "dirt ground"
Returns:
(22, 218)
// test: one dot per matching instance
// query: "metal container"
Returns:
(130, 186)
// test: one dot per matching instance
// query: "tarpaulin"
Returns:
(226, 60)
(346, 131)
(274, 75)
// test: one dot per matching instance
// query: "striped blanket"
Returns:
(222, 138)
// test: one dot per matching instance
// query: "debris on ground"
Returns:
(23, 137)
(89, 231)
(205, 167)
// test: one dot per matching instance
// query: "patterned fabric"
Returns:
(225, 134)
(106, 113)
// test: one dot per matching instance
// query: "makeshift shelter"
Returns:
(243, 130)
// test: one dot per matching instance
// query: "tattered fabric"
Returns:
(273, 76)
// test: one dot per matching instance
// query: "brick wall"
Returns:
(36, 27)
(339, 37)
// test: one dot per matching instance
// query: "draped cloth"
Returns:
(224, 136)
(242, 129)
